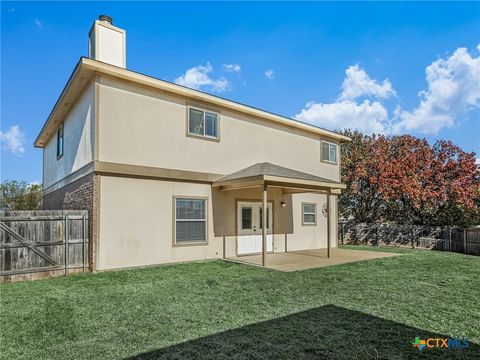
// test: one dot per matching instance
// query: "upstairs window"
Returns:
(60, 142)
(329, 152)
(202, 123)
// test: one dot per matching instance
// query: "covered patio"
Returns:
(310, 259)
(265, 176)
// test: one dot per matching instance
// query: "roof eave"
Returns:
(80, 81)
(277, 181)
(94, 66)
(149, 81)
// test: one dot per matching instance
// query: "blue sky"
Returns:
(390, 67)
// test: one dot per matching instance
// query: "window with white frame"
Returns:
(60, 142)
(309, 214)
(202, 123)
(329, 152)
(190, 221)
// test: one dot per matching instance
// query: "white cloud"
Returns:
(198, 78)
(357, 83)
(349, 112)
(232, 68)
(13, 140)
(453, 90)
(270, 74)
(369, 117)
(39, 24)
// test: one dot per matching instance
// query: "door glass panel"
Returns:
(246, 217)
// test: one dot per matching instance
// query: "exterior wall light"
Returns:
(283, 204)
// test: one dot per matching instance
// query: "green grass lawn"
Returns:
(215, 309)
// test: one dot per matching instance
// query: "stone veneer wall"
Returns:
(78, 195)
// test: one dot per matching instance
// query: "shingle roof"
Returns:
(268, 169)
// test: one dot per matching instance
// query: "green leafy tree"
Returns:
(20, 195)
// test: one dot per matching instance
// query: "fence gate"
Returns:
(38, 244)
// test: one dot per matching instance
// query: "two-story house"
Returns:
(173, 174)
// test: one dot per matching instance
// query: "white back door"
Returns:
(249, 231)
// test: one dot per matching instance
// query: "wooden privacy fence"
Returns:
(465, 241)
(42, 243)
(441, 238)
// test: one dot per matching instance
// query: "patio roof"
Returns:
(267, 174)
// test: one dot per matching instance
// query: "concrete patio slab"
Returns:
(310, 259)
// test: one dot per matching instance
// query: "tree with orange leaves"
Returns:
(403, 179)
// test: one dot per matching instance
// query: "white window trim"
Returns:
(200, 136)
(189, 243)
(336, 152)
(309, 213)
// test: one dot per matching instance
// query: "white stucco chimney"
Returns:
(107, 43)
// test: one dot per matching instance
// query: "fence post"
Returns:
(449, 239)
(83, 242)
(412, 237)
(65, 237)
(465, 241)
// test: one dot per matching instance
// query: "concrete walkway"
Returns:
(309, 259)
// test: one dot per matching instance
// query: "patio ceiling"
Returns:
(271, 175)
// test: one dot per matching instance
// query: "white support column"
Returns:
(329, 219)
(264, 226)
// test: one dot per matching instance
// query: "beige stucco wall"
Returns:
(312, 236)
(139, 126)
(78, 141)
(145, 127)
(136, 222)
